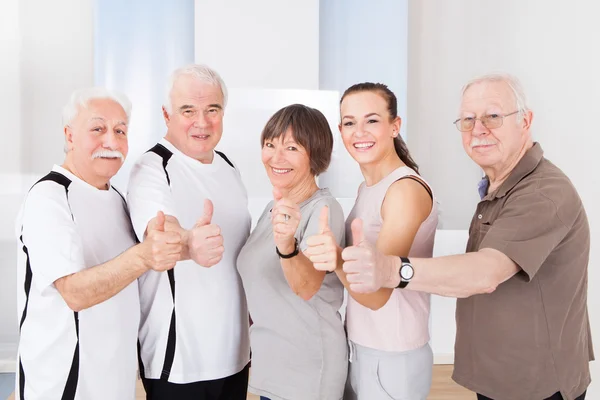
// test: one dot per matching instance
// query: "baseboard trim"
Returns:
(443, 358)
(8, 357)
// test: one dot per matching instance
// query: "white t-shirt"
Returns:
(203, 333)
(66, 226)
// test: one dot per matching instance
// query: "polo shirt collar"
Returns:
(524, 167)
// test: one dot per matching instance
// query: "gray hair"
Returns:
(513, 83)
(202, 73)
(81, 98)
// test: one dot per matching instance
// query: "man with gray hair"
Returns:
(194, 340)
(78, 264)
(523, 330)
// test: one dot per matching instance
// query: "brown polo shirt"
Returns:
(530, 338)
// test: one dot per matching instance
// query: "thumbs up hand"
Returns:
(285, 217)
(161, 250)
(367, 269)
(205, 242)
(323, 250)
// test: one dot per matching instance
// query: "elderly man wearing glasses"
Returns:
(523, 331)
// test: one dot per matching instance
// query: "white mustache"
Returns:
(481, 142)
(108, 154)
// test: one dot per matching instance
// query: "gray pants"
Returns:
(384, 375)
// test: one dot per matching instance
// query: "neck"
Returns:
(302, 191)
(498, 174)
(374, 172)
(97, 182)
(204, 158)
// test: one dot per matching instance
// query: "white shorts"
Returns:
(385, 375)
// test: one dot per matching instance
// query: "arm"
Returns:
(160, 251)
(94, 285)
(406, 205)
(461, 275)
(302, 277)
(504, 252)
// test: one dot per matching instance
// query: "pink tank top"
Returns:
(403, 322)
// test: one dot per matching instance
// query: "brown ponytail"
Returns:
(392, 102)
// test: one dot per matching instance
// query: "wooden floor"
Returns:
(442, 387)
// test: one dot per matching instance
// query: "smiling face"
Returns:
(367, 128)
(96, 141)
(195, 123)
(287, 163)
(494, 149)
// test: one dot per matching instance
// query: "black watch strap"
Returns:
(292, 254)
(402, 284)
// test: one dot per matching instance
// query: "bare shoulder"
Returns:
(407, 197)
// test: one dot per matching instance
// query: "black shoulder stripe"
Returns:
(165, 154)
(224, 157)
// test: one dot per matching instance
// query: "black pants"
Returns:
(555, 396)
(234, 387)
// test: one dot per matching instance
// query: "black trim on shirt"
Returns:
(420, 181)
(165, 154)
(71, 384)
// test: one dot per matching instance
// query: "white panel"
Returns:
(56, 58)
(269, 44)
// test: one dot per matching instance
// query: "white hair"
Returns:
(81, 98)
(513, 83)
(200, 72)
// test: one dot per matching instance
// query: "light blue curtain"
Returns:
(137, 44)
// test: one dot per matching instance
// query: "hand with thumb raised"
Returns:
(205, 242)
(322, 249)
(367, 269)
(161, 250)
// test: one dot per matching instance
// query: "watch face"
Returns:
(407, 272)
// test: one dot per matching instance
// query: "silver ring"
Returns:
(286, 217)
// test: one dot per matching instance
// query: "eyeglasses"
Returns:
(490, 121)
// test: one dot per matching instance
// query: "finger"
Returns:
(352, 253)
(207, 214)
(355, 267)
(361, 288)
(160, 222)
(324, 266)
(322, 258)
(207, 231)
(277, 195)
(318, 240)
(324, 220)
(284, 229)
(354, 278)
(357, 232)
(291, 211)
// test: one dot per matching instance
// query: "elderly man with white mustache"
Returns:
(78, 263)
(523, 331)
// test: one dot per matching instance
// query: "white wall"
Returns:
(136, 56)
(553, 48)
(268, 44)
(46, 52)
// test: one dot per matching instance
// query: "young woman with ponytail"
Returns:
(395, 209)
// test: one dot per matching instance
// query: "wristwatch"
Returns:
(406, 272)
(292, 254)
